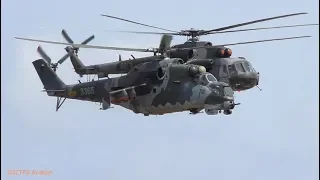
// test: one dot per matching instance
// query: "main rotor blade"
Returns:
(137, 23)
(263, 28)
(251, 22)
(144, 32)
(88, 40)
(43, 54)
(66, 36)
(165, 42)
(265, 40)
(86, 46)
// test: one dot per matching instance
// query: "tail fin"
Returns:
(77, 64)
(48, 77)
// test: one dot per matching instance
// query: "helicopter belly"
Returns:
(170, 108)
(183, 99)
(139, 106)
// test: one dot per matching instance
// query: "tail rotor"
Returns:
(44, 55)
(65, 35)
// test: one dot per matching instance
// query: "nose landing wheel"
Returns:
(227, 112)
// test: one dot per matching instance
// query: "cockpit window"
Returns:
(239, 67)
(221, 90)
(217, 89)
(248, 67)
(220, 71)
(232, 70)
(211, 78)
(228, 91)
(207, 78)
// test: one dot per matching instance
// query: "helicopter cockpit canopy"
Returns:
(240, 68)
(236, 68)
(247, 66)
(207, 78)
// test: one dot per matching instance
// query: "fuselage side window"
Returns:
(224, 71)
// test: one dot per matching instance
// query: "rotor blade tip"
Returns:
(301, 13)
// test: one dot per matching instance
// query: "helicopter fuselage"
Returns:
(237, 72)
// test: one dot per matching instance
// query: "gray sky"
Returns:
(273, 134)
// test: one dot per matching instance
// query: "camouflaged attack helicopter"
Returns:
(235, 71)
(151, 88)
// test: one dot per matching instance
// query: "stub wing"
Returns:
(120, 96)
(124, 95)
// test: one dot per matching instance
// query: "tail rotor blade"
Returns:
(43, 54)
(65, 57)
(88, 40)
(66, 36)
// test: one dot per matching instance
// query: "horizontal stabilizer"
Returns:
(53, 90)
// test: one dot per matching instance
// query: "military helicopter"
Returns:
(103, 70)
(238, 72)
(54, 66)
(152, 88)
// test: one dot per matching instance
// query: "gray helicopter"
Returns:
(236, 71)
(152, 88)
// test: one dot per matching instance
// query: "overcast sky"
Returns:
(273, 134)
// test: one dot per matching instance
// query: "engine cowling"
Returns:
(201, 62)
(145, 71)
(183, 54)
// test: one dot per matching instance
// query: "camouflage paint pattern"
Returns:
(178, 88)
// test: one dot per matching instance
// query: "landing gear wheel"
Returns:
(227, 112)
(194, 111)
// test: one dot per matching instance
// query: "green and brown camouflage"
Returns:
(157, 87)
